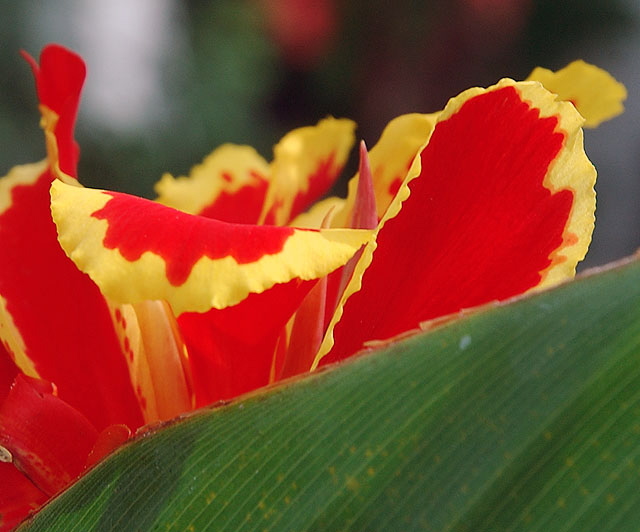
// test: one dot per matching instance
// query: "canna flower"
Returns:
(117, 312)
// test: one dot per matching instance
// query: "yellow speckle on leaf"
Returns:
(561, 503)
(610, 498)
(547, 435)
(352, 484)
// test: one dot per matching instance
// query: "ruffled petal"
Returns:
(136, 249)
(49, 440)
(595, 93)
(502, 203)
(18, 497)
(230, 185)
(307, 161)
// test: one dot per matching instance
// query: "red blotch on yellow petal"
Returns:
(136, 249)
(595, 93)
(503, 203)
(230, 185)
(48, 439)
(162, 231)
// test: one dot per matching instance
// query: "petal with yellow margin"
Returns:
(307, 161)
(595, 93)
(230, 185)
(136, 249)
(502, 203)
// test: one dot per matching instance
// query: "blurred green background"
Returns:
(169, 80)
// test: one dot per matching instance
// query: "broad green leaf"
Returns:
(520, 417)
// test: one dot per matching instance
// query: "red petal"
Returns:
(481, 222)
(8, 372)
(57, 323)
(61, 316)
(59, 79)
(18, 497)
(108, 441)
(231, 351)
(49, 439)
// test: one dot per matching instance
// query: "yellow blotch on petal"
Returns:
(156, 358)
(227, 169)
(211, 283)
(594, 92)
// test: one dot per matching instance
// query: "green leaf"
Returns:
(524, 416)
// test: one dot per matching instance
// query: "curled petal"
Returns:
(502, 203)
(136, 249)
(595, 93)
(230, 185)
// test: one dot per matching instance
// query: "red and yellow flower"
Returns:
(117, 312)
